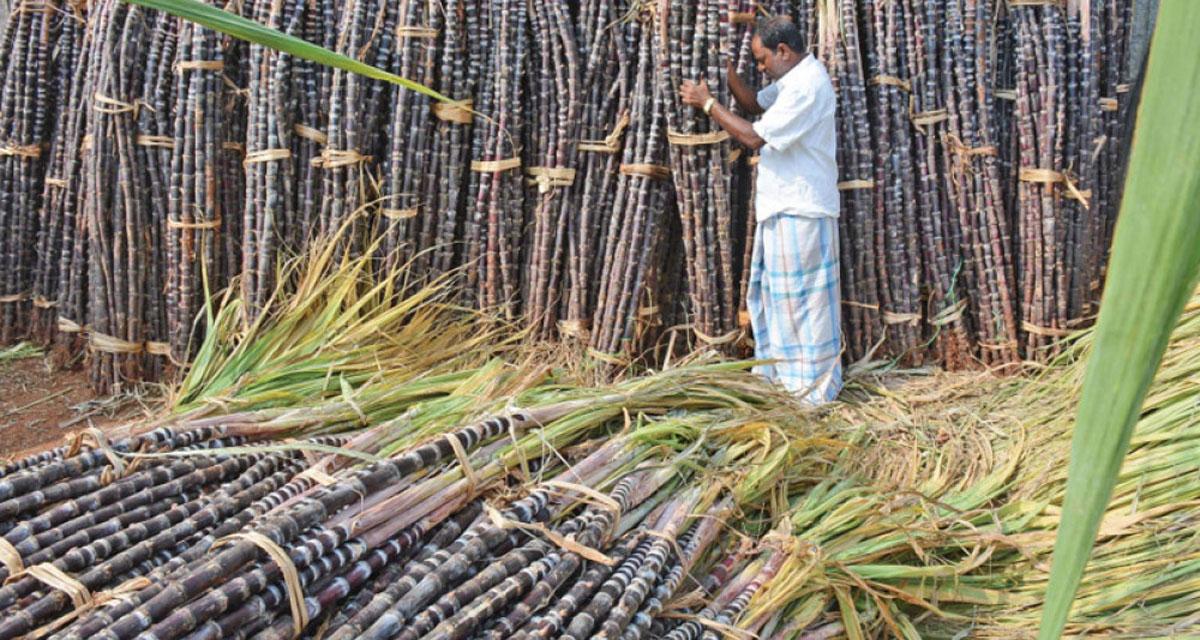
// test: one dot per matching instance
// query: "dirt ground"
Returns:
(38, 406)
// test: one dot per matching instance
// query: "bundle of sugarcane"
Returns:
(1043, 185)
(495, 211)
(552, 160)
(608, 54)
(691, 41)
(53, 221)
(117, 213)
(26, 119)
(973, 177)
(366, 31)
(197, 222)
(408, 190)
(156, 144)
(311, 117)
(944, 300)
(857, 230)
(634, 240)
(897, 214)
(271, 222)
(1116, 81)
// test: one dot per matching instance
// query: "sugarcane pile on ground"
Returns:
(366, 462)
(150, 164)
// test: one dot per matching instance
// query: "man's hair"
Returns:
(776, 30)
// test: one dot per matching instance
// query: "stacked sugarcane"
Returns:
(607, 57)
(495, 233)
(54, 226)
(692, 42)
(271, 222)
(974, 180)
(26, 118)
(632, 238)
(552, 159)
(409, 191)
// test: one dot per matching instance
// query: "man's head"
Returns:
(777, 46)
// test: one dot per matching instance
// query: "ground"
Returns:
(39, 405)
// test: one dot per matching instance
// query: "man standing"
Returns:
(794, 294)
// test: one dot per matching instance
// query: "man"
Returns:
(794, 293)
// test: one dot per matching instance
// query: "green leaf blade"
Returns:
(1152, 273)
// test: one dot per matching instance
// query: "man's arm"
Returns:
(746, 97)
(697, 95)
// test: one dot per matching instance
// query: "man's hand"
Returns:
(694, 94)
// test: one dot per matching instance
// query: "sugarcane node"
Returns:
(291, 577)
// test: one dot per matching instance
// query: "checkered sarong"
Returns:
(794, 300)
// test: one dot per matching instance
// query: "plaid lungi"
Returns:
(794, 301)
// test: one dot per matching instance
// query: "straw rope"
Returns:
(234, 146)
(334, 158)
(743, 319)
(112, 105)
(399, 214)
(573, 328)
(652, 171)
(10, 557)
(850, 185)
(291, 577)
(696, 139)
(66, 325)
(104, 343)
(100, 441)
(1109, 104)
(1048, 332)
(14, 297)
(457, 111)
(166, 142)
(593, 497)
(923, 119)
(199, 65)
(742, 17)
(413, 31)
(488, 166)
(309, 133)
(318, 476)
(1052, 177)
(215, 223)
(1036, 3)
(1005, 94)
(56, 182)
(547, 178)
(950, 314)
(56, 578)
(42, 302)
(266, 155)
(890, 81)
(612, 142)
(614, 359)
(123, 591)
(860, 305)
(30, 151)
(716, 341)
(499, 521)
(894, 317)
(464, 462)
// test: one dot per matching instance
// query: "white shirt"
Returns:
(797, 170)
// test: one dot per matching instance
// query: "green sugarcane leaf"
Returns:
(250, 31)
(1156, 254)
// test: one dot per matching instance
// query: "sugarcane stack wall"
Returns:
(147, 164)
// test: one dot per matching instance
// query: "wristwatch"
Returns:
(708, 105)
